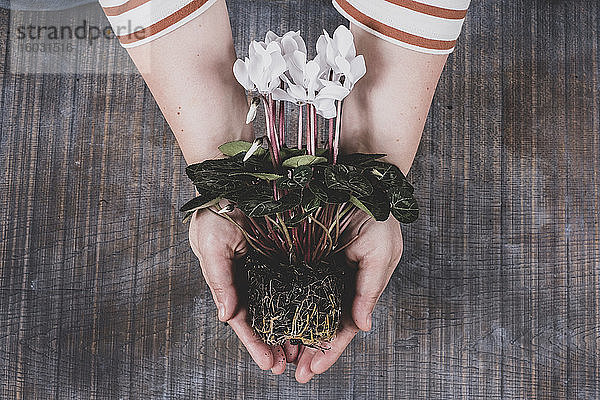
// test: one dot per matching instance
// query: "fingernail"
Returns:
(221, 310)
(369, 322)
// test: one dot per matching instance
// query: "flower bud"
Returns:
(252, 111)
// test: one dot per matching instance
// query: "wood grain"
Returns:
(497, 294)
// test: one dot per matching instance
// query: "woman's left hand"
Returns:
(375, 253)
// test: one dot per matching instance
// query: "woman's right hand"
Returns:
(219, 244)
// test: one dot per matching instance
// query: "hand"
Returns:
(218, 244)
(376, 253)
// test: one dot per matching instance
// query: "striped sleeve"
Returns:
(428, 26)
(136, 22)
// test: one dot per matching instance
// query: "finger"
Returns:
(218, 273)
(216, 256)
(279, 360)
(300, 351)
(259, 351)
(291, 351)
(303, 371)
(369, 286)
(321, 362)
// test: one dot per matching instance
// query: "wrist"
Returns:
(399, 141)
(222, 120)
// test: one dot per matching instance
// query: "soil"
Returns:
(294, 301)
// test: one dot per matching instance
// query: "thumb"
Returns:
(218, 273)
(370, 283)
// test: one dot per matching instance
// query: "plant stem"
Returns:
(300, 128)
(272, 145)
(249, 238)
(281, 105)
(330, 138)
(274, 127)
(315, 130)
(338, 127)
(308, 148)
(285, 231)
(312, 130)
(329, 240)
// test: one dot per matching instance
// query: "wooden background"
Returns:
(496, 297)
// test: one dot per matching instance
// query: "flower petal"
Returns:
(280, 94)
(300, 42)
(322, 45)
(288, 45)
(343, 65)
(358, 68)
(277, 66)
(273, 47)
(325, 108)
(312, 71)
(297, 91)
(255, 69)
(240, 71)
(298, 58)
(344, 42)
(333, 92)
(271, 37)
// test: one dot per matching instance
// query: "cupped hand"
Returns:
(219, 244)
(375, 252)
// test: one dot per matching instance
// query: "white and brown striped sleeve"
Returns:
(136, 22)
(429, 26)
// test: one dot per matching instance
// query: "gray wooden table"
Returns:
(497, 295)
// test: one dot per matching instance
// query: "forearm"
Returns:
(386, 111)
(189, 72)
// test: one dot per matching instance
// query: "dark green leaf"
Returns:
(326, 195)
(321, 152)
(404, 206)
(229, 165)
(202, 201)
(347, 178)
(298, 161)
(359, 204)
(261, 191)
(388, 174)
(260, 175)
(300, 178)
(253, 208)
(358, 158)
(378, 203)
(237, 147)
(219, 183)
(287, 152)
(310, 202)
(188, 215)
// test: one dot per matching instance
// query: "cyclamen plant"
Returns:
(297, 202)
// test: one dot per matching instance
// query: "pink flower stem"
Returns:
(255, 224)
(338, 127)
(274, 127)
(330, 140)
(308, 148)
(315, 131)
(272, 143)
(312, 130)
(281, 122)
(300, 128)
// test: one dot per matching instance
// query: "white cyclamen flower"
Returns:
(262, 69)
(293, 50)
(305, 86)
(338, 54)
(289, 42)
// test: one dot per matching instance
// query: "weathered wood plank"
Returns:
(498, 292)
